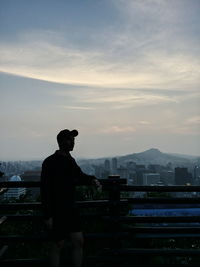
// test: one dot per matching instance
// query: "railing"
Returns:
(124, 239)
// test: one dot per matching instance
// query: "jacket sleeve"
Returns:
(46, 190)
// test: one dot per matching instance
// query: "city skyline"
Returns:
(124, 73)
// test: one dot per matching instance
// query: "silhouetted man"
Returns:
(60, 174)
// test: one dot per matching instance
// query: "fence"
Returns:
(125, 239)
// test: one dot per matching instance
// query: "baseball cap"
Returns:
(66, 134)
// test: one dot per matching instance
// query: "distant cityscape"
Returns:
(151, 167)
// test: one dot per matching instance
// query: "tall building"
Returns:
(197, 175)
(114, 166)
(122, 172)
(151, 178)
(167, 177)
(131, 165)
(140, 170)
(182, 176)
(107, 165)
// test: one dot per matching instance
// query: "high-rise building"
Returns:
(151, 178)
(122, 172)
(107, 165)
(114, 166)
(182, 176)
(197, 175)
(140, 170)
(167, 177)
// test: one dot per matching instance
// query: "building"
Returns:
(140, 170)
(14, 193)
(114, 166)
(151, 178)
(107, 165)
(155, 168)
(182, 176)
(122, 172)
(167, 177)
(197, 175)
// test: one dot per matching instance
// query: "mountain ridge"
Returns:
(151, 156)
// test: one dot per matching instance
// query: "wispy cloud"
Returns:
(75, 107)
(118, 130)
(127, 58)
(193, 121)
(116, 99)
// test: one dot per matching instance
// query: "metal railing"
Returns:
(122, 229)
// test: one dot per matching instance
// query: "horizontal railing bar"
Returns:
(98, 203)
(13, 184)
(24, 262)
(19, 206)
(82, 204)
(154, 219)
(10, 184)
(87, 262)
(166, 236)
(128, 262)
(171, 188)
(144, 219)
(122, 182)
(35, 217)
(179, 200)
(167, 229)
(131, 219)
(140, 234)
(164, 251)
(44, 236)
(28, 237)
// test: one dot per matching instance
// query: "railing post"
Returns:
(114, 206)
(114, 195)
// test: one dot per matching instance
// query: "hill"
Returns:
(155, 156)
(150, 156)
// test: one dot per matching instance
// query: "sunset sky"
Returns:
(125, 73)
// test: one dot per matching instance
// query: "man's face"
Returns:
(68, 143)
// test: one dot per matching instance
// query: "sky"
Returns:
(125, 73)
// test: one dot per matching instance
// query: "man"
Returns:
(60, 174)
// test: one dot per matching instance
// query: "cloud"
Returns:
(76, 107)
(116, 99)
(129, 57)
(145, 123)
(118, 130)
(193, 121)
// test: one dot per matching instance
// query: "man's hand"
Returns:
(49, 223)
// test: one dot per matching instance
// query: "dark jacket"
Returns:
(60, 174)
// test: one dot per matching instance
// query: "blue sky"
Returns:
(125, 73)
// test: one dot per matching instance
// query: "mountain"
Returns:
(155, 156)
(184, 156)
(150, 156)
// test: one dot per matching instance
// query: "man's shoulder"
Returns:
(50, 159)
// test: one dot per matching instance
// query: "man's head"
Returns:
(65, 139)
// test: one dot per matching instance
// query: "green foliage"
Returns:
(89, 193)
